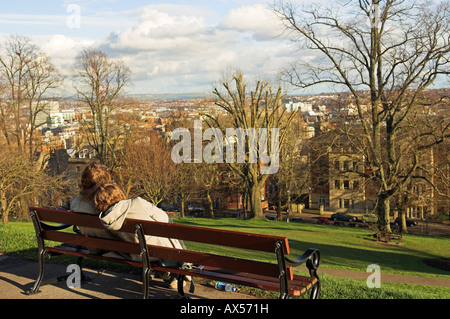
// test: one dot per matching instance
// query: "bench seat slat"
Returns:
(183, 232)
(92, 242)
(296, 287)
(67, 217)
(210, 236)
(236, 264)
(85, 253)
(199, 258)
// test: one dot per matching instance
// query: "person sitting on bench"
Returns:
(113, 208)
(92, 176)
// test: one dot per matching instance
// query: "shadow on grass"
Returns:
(405, 260)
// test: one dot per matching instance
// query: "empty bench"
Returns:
(277, 276)
(387, 237)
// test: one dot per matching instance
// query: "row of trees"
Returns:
(29, 83)
(391, 49)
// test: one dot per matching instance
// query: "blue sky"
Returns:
(170, 46)
(175, 46)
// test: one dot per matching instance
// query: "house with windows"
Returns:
(337, 183)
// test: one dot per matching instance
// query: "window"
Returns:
(355, 185)
(337, 165)
(346, 166)
(346, 203)
(337, 184)
(322, 201)
(346, 184)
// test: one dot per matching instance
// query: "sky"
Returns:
(172, 46)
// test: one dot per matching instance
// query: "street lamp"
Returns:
(289, 205)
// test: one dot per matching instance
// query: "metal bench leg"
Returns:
(37, 284)
(180, 279)
(41, 253)
(284, 294)
(313, 264)
(146, 268)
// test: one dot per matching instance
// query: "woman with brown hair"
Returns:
(92, 176)
(113, 208)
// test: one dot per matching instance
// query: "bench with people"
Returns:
(108, 226)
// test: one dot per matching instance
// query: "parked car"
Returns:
(343, 217)
(168, 208)
(369, 218)
(236, 213)
(194, 210)
(409, 222)
(322, 221)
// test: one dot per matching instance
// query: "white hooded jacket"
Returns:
(137, 208)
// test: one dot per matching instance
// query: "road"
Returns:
(423, 228)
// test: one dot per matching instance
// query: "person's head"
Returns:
(107, 195)
(92, 176)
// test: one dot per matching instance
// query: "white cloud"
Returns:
(63, 49)
(173, 48)
(169, 48)
(256, 18)
(158, 30)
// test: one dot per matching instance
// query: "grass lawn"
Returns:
(340, 247)
(345, 247)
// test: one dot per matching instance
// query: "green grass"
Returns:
(341, 248)
(345, 248)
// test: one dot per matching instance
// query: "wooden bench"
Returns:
(387, 237)
(277, 276)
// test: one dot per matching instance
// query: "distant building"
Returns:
(336, 184)
(302, 107)
(45, 109)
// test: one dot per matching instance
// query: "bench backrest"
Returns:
(218, 237)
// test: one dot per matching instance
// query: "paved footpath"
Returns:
(18, 276)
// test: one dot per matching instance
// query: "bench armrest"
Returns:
(54, 227)
(312, 259)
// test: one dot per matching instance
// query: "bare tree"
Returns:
(293, 178)
(255, 111)
(22, 183)
(149, 165)
(207, 179)
(393, 50)
(28, 82)
(184, 184)
(99, 82)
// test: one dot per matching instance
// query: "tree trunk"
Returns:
(403, 225)
(279, 207)
(4, 211)
(182, 207)
(383, 212)
(255, 201)
(211, 208)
